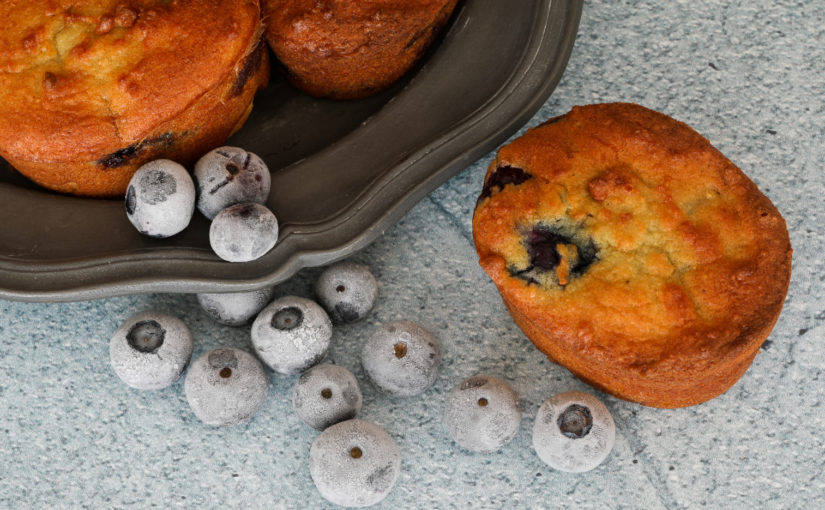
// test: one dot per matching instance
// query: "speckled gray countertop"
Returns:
(748, 75)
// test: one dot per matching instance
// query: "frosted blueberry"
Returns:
(228, 176)
(160, 198)
(573, 432)
(150, 350)
(225, 386)
(291, 334)
(235, 308)
(326, 394)
(347, 291)
(482, 414)
(243, 232)
(354, 463)
(401, 358)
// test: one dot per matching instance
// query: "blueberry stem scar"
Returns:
(288, 318)
(225, 372)
(400, 350)
(355, 452)
(146, 336)
(233, 169)
(575, 422)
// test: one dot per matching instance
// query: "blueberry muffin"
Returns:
(631, 251)
(342, 49)
(92, 89)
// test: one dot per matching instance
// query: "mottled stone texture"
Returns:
(748, 75)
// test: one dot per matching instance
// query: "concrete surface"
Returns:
(746, 74)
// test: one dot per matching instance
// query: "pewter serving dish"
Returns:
(342, 172)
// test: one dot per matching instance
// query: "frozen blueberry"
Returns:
(225, 386)
(347, 291)
(235, 308)
(401, 358)
(160, 198)
(573, 432)
(291, 334)
(228, 176)
(150, 350)
(243, 232)
(354, 463)
(326, 394)
(482, 414)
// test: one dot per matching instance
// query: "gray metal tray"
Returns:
(342, 171)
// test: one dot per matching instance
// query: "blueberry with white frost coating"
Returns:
(235, 308)
(354, 463)
(347, 291)
(243, 232)
(482, 414)
(226, 386)
(160, 198)
(325, 395)
(150, 350)
(573, 432)
(230, 175)
(291, 334)
(401, 358)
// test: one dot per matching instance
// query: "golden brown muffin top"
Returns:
(630, 239)
(343, 27)
(79, 79)
(343, 49)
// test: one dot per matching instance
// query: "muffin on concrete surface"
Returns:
(90, 90)
(342, 49)
(631, 251)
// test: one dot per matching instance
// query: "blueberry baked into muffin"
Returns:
(343, 49)
(631, 251)
(90, 90)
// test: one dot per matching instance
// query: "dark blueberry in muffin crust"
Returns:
(503, 176)
(555, 253)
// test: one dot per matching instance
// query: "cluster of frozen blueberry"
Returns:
(229, 188)
(352, 462)
(573, 431)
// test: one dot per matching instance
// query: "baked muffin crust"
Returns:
(343, 49)
(89, 90)
(634, 253)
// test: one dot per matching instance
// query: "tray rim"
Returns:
(515, 102)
